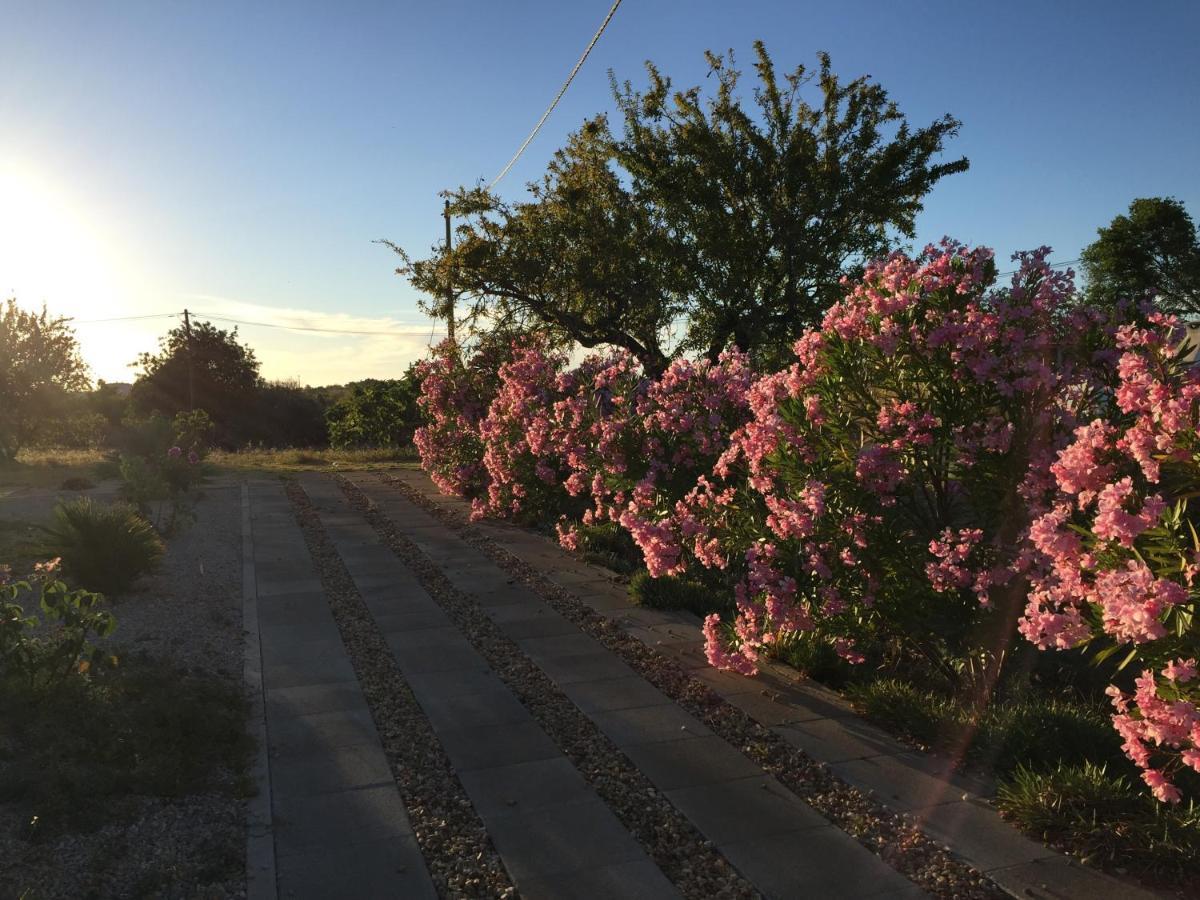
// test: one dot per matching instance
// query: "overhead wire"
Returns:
(557, 97)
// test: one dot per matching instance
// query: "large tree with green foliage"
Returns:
(730, 222)
(224, 377)
(376, 413)
(39, 362)
(1150, 251)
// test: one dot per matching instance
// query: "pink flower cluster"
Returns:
(1114, 562)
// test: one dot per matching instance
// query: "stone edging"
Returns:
(260, 839)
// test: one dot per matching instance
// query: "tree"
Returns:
(224, 375)
(1153, 250)
(39, 362)
(376, 414)
(733, 224)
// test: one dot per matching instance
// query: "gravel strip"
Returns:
(691, 862)
(456, 847)
(886, 833)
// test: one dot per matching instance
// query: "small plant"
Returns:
(1105, 820)
(104, 548)
(670, 592)
(40, 655)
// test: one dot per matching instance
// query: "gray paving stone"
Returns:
(457, 681)
(293, 609)
(538, 623)
(306, 735)
(688, 655)
(745, 809)
(280, 648)
(432, 657)
(303, 672)
(562, 838)
(316, 698)
(560, 646)
(767, 710)
(897, 782)
(416, 619)
(316, 630)
(837, 740)
(646, 724)
(288, 586)
(496, 706)
(318, 822)
(524, 787)
(986, 839)
(690, 762)
(614, 693)
(639, 880)
(585, 667)
(338, 770)
(819, 862)
(1063, 879)
(386, 867)
(497, 745)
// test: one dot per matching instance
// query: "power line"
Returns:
(123, 319)
(1060, 265)
(377, 333)
(558, 96)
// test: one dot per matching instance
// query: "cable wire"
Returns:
(74, 321)
(559, 96)
(382, 332)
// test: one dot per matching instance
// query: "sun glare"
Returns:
(53, 252)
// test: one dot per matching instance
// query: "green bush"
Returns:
(103, 548)
(41, 655)
(1033, 731)
(1104, 819)
(609, 545)
(669, 592)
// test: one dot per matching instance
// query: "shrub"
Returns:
(1104, 819)
(104, 548)
(375, 414)
(41, 654)
(672, 592)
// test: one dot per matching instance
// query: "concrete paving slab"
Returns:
(690, 762)
(614, 693)
(302, 736)
(898, 783)
(637, 880)
(317, 822)
(836, 740)
(561, 838)
(305, 700)
(492, 706)
(492, 746)
(525, 787)
(1060, 878)
(818, 862)
(646, 724)
(983, 836)
(745, 809)
(385, 867)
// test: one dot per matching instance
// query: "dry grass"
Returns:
(48, 468)
(298, 460)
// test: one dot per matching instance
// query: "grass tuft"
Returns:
(103, 548)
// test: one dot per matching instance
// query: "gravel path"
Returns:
(889, 835)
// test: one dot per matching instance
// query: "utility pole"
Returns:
(449, 281)
(187, 329)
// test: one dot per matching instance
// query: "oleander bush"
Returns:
(104, 548)
(946, 464)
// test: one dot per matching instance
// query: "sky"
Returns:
(240, 159)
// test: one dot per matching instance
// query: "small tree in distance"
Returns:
(39, 361)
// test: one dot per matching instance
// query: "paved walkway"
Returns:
(330, 787)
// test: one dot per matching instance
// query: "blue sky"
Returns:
(239, 158)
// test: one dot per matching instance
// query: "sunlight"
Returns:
(52, 252)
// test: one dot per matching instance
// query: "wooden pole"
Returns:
(187, 328)
(449, 282)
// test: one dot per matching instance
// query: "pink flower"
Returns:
(175, 452)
